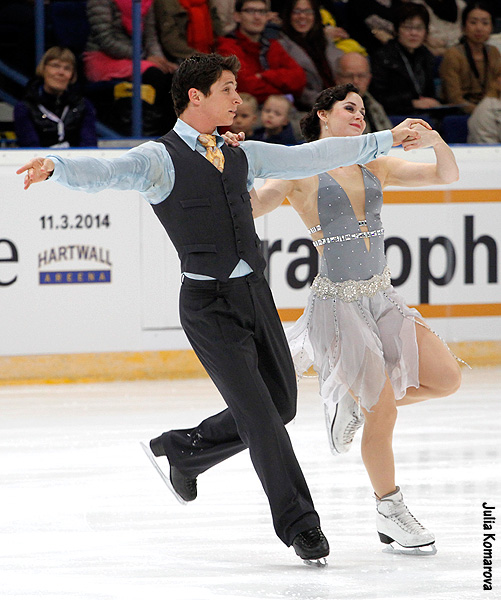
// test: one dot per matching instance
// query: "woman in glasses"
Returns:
(304, 39)
(403, 70)
(52, 112)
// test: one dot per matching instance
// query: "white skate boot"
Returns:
(395, 523)
(343, 424)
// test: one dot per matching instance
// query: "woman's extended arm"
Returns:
(404, 173)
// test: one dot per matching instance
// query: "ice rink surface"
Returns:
(84, 515)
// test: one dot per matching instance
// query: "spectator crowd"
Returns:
(432, 59)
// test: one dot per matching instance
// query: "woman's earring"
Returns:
(326, 126)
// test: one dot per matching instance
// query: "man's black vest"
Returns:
(208, 214)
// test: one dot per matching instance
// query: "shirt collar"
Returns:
(190, 135)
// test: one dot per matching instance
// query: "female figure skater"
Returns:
(371, 351)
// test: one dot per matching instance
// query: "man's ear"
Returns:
(195, 96)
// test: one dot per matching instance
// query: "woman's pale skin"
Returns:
(439, 374)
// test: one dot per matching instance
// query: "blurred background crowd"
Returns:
(436, 59)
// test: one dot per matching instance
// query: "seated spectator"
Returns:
(355, 68)
(266, 68)
(403, 70)
(186, 27)
(468, 70)
(52, 113)
(370, 22)
(445, 24)
(246, 117)
(276, 127)
(338, 34)
(303, 37)
(225, 11)
(108, 56)
(484, 125)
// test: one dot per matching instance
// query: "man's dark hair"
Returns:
(200, 71)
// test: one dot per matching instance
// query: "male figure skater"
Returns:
(198, 188)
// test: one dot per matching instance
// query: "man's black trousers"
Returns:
(236, 333)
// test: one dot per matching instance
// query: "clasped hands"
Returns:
(410, 134)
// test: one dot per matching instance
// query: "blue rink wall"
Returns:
(89, 282)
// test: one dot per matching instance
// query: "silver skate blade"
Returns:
(429, 550)
(317, 562)
(164, 477)
(329, 422)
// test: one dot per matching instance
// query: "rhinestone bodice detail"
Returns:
(345, 255)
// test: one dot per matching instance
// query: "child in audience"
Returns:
(276, 127)
(247, 114)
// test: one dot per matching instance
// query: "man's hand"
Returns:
(38, 169)
(404, 133)
(233, 139)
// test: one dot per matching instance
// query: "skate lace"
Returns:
(353, 426)
(313, 536)
(403, 516)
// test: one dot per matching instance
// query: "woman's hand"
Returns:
(233, 139)
(38, 169)
(427, 138)
(404, 133)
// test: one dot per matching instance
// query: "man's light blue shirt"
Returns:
(149, 169)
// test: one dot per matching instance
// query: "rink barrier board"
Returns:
(180, 363)
(174, 364)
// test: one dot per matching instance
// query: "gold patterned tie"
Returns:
(214, 154)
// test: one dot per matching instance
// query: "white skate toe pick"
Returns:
(400, 530)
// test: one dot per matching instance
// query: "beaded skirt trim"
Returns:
(349, 236)
(350, 290)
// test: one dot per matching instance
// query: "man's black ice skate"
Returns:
(184, 488)
(312, 546)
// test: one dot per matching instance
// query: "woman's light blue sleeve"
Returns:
(148, 168)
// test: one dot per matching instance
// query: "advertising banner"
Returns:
(96, 272)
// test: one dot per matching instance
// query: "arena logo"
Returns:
(70, 253)
(8, 256)
(472, 242)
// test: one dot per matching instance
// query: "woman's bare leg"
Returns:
(377, 451)
(439, 372)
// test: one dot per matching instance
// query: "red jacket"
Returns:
(283, 76)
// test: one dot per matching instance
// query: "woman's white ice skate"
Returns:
(343, 423)
(396, 525)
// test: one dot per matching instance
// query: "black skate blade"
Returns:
(428, 550)
(163, 476)
(316, 562)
